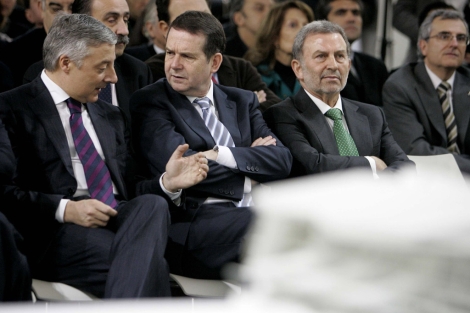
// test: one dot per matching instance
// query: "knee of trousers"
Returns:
(154, 208)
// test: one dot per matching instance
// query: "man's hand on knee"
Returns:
(88, 213)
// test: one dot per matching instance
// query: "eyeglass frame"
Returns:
(440, 35)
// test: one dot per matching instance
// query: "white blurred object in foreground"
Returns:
(347, 243)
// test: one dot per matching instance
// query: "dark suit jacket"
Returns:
(164, 119)
(302, 127)
(44, 173)
(414, 112)
(372, 76)
(29, 46)
(7, 159)
(233, 72)
(132, 75)
(141, 52)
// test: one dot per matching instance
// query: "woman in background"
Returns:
(272, 54)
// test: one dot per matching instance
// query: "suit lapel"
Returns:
(429, 99)
(359, 128)
(461, 105)
(227, 114)
(317, 122)
(106, 136)
(43, 106)
(189, 115)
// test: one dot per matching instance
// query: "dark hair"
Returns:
(82, 6)
(432, 7)
(162, 9)
(264, 48)
(323, 8)
(203, 23)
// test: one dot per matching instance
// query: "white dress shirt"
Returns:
(225, 156)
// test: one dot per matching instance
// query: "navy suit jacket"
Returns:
(132, 74)
(302, 127)
(164, 119)
(414, 112)
(44, 173)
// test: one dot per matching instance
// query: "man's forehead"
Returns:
(439, 24)
(322, 39)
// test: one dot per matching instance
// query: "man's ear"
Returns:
(65, 64)
(163, 27)
(216, 61)
(423, 46)
(238, 18)
(297, 68)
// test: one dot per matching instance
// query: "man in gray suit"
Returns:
(324, 131)
(426, 103)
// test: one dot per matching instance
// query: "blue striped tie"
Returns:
(218, 131)
(97, 174)
(221, 136)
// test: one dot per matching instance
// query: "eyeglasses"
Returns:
(447, 37)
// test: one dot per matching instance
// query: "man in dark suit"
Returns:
(29, 45)
(15, 280)
(323, 130)
(132, 73)
(368, 74)
(234, 72)
(230, 132)
(152, 32)
(426, 103)
(72, 192)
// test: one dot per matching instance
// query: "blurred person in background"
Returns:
(272, 53)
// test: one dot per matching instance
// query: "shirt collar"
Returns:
(58, 94)
(210, 94)
(436, 80)
(322, 106)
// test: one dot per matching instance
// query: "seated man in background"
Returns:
(132, 73)
(368, 74)
(324, 131)
(15, 280)
(72, 193)
(234, 72)
(223, 123)
(426, 103)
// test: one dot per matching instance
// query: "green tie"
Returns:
(345, 142)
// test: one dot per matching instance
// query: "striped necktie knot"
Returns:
(74, 106)
(204, 103)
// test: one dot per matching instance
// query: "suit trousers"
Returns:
(215, 238)
(15, 279)
(125, 259)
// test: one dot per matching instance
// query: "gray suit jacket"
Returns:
(414, 113)
(301, 126)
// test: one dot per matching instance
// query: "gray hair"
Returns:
(317, 27)
(150, 16)
(426, 27)
(73, 35)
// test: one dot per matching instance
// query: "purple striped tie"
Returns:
(97, 174)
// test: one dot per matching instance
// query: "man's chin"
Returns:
(120, 49)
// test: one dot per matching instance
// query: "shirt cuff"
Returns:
(59, 213)
(247, 186)
(225, 158)
(174, 196)
(373, 167)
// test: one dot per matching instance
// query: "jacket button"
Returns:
(248, 168)
(221, 190)
(256, 168)
(232, 192)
